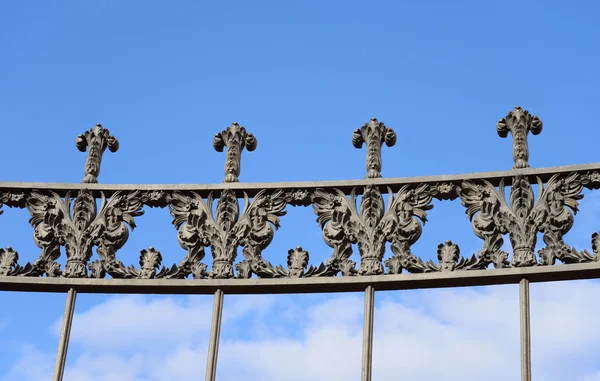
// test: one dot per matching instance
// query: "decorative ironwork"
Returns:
(373, 134)
(235, 138)
(95, 141)
(80, 229)
(372, 227)
(198, 228)
(349, 213)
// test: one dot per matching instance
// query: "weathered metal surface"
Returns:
(154, 191)
(305, 285)
(66, 216)
(215, 334)
(65, 333)
(525, 324)
(96, 140)
(367, 348)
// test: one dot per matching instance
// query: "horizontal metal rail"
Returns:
(344, 185)
(305, 285)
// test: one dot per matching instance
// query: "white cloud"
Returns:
(31, 365)
(468, 334)
(132, 322)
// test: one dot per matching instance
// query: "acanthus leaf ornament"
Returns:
(253, 229)
(373, 134)
(235, 138)
(372, 228)
(522, 218)
(96, 140)
(9, 265)
(519, 123)
(80, 229)
(297, 261)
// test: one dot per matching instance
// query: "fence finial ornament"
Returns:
(235, 138)
(373, 134)
(519, 122)
(95, 140)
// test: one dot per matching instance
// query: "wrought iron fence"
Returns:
(210, 215)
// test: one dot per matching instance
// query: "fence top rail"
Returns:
(252, 189)
(305, 285)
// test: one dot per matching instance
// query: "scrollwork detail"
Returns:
(372, 227)
(253, 229)
(297, 261)
(522, 217)
(80, 229)
(9, 265)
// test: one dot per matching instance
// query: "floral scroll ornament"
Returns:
(522, 217)
(372, 227)
(224, 232)
(297, 261)
(79, 226)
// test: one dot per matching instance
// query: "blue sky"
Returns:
(301, 76)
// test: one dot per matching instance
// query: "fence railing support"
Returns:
(215, 333)
(525, 330)
(65, 333)
(367, 348)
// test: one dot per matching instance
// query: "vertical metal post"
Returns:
(525, 330)
(215, 333)
(65, 333)
(367, 349)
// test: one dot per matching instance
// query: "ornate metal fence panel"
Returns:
(233, 218)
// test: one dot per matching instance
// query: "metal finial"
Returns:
(373, 134)
(519, 122)
(235, 138)
(95, 140)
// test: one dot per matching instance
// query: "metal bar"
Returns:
(304, 285)
(215, 333)
(367, 349)
(345, 185)
(65, 333)
(525, 330)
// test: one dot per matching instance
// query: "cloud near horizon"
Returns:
(446, 334)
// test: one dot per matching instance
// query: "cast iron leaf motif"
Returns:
(96, 269)
(519, 123)
(155, 198)
(561, 197)
(235, 138)
(80, 229)
(9, 259)
(373, 134)
(299, 197)
(449, 258)
(297, 261)
(445, 191)
(522, 218)
(591, 180)
(13, 200)
(198, 228)
(96, 140)
(372, 228)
